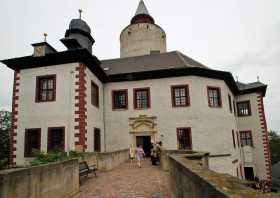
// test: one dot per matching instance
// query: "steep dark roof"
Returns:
(155, 66)
(251, 87)
(160, 61)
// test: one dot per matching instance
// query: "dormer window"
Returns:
(45, 88)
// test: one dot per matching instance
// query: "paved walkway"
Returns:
(127, 182)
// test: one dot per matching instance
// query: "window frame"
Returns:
(246, 139)
(148, 99)
(230, 103)
(187, 95)
(113, 99)
(220, 103)
(233, 139)
(48, 143)
(27, 155)
(249, 108)
(190, 136)
(93, 85)
(95, 149)
(38, 89)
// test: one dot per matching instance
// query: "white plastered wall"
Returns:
(252, 123)
(94, 114)
(211, 127)
(59, 113)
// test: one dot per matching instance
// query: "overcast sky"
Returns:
(240, 36)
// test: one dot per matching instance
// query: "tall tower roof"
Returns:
(142, 9)
(142, 15)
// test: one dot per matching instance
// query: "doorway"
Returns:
(145, 141)
(249, 173)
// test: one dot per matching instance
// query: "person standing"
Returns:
(131, 154)
(139, 154)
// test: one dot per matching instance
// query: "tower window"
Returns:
(45, 88)
(180, 96)
(214, 97)
(119, 99)
(142, 98)
(94, 94)
(246, 138)
(244, 108)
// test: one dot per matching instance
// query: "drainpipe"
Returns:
(104, 130)
(69, 112)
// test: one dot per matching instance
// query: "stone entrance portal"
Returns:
(143, 129)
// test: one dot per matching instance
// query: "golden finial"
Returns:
(45, 37)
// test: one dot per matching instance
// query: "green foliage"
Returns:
(5, 127)
(3, 164)
(53, 156)
(274, 142)
(44, 158)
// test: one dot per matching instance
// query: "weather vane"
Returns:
(80, 13)
(45, 37)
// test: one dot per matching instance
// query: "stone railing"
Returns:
(55, 180)
(190, 177)
(107, 160)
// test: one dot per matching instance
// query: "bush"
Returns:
(3, 164)
(44, 158)
(53, 156)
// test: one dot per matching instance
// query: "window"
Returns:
(229, 102)
(237, 137)
(184, 138)
(234, 108)
(32, 141)
(56, 138)
(244, 108)
(214, 97)
(94, 94)
(97, 140)
(246, 138)
(45, 88)
(142, 98)
(233, 138)
(119, 99)
(180, 96)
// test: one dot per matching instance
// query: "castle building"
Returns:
(71, 100)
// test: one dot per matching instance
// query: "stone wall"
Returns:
(54, 180)
(188, 178)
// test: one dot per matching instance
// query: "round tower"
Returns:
(142, 36)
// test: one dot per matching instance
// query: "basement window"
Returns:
(184, 138)
(32, 141)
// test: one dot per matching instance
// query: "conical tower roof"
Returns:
(142, 9)
(142, 15)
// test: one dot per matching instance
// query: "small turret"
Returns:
(78, 35)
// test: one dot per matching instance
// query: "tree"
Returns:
(274, 142)
(5, 127)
